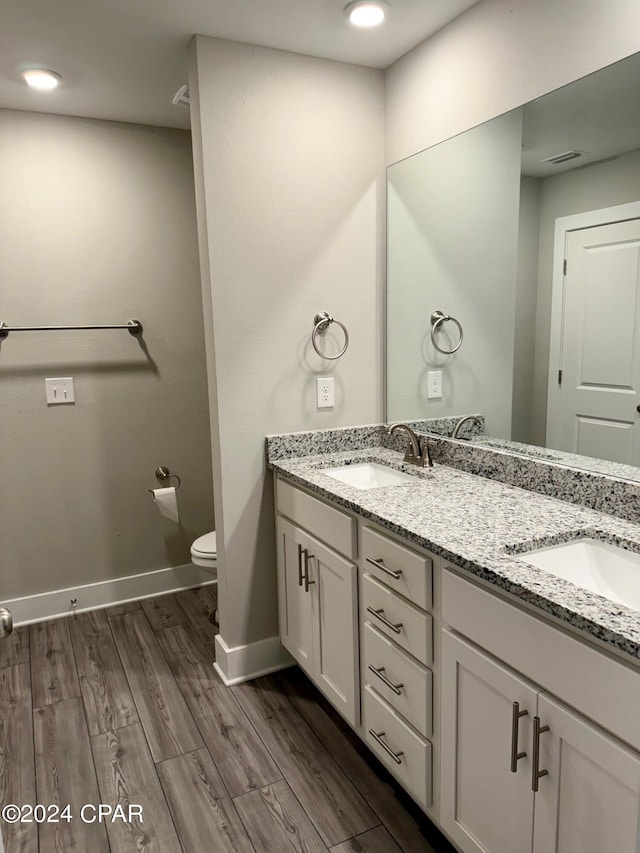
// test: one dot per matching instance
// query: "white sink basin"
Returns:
(596, 566)
(369, 475)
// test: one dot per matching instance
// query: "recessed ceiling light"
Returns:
(366, 13)
(40, 78)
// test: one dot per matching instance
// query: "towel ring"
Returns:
(437, 319)
(321, 323)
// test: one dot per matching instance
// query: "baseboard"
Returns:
(57, 602)
(242, 663)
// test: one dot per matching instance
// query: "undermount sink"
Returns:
(369, 475)
(599, 567)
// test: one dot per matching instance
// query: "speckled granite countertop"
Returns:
(479, 525)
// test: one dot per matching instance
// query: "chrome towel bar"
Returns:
(437, 319)
(134, 327)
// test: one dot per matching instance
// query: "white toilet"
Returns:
(204, 552)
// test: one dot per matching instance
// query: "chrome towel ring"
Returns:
(321, 323)
(437, 319)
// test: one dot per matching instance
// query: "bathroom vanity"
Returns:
(503, 699)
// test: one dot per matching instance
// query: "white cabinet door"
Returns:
(589, 801)
(318, 609)
(485, 807)
(296, 633)
(333, 586)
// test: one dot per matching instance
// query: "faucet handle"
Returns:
(423, 458)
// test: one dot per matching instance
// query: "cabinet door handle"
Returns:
(395, 574)
(379, 614)
(536, 773)
(377, 736)
(515, 723)
(306, 556)
(300, 578)
(397, 688)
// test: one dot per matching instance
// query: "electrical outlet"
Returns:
(324, 393)
(434, 384)
(59, 390)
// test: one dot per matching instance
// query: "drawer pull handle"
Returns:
(515, 723)
(396, 575)
(379, 614)
(397, 688)
(536, 773)
(300, 576)
(377, 736)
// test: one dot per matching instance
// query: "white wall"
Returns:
(289, 163)
(452, 234)
(498, 55)
(97, 225)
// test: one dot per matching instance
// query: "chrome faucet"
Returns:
(462, 421)
(415, 454)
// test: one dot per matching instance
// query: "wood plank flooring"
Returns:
(123, 707)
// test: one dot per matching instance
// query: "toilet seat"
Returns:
(204, 551)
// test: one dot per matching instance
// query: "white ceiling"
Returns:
(124, 59)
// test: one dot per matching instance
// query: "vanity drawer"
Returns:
(383, 660)
(412, 764)
(399, 620)
(400, 568)
(329, 524)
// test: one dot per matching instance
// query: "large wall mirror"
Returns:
(479, 229)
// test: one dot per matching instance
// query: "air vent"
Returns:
(181, 97)
(556, 159)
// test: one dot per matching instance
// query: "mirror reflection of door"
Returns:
(599, 384)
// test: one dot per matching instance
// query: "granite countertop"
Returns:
(479, 525)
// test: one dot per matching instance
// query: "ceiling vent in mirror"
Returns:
(556, 159)
(181, 97)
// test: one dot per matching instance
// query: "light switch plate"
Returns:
(59, 390)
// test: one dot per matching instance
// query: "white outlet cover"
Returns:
(59, 390)
(325, 394)
(434, 384)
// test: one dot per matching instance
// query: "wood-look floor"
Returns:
(123, 706)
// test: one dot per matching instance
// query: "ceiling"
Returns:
(124, 60)
(597, 115)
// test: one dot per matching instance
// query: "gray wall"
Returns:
(97, 225)
(526, 299)
(452, 232)
(289, 165)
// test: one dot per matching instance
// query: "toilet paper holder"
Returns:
(163, 473)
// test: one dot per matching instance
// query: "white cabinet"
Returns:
(296, 633)
(397, 637)
(589, 801)
(318, 603)
(520, 768)
(514, 736)
(485, 807)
